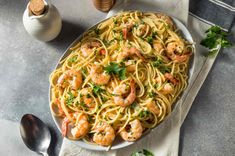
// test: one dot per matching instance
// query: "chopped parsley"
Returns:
(73, 59)
(97, 31)
(144, 152)
(215, 39)
(115, 21)
(84, 71)
(150, 39)
(97, 90)
(159, 64)
(121, 36)
(152, 94)
(83, 105)
(144, 113)
(117, 69)
(69, 100)
(133, 105)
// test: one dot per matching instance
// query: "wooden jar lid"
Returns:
(103, 5)
(37, 7)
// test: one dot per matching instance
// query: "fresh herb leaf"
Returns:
(90, 119)
(115, 21)
(72, 59)
(144, 152)
(215, 39)
(163, 69)
(152, 94)
(97, 31)
(97, 90)
(133, 105)
(159, 64)
(83, 105)
(84, 71)
(154, 33)
(144, 113)
(114, 68)
(121, 36)
(147, 153)
(69, 100)
(150, 39)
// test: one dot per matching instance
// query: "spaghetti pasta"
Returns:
(122, 78)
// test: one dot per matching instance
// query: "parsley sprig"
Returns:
(117, 69)
(216, 38)
(144, 152)
(69, 100)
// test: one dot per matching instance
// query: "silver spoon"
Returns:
(35, 134)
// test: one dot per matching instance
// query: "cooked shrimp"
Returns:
(64, 127)
(157, 45)
(87, 47)
(134, 132)
(98, 76)
(88, 100)
(121, 90)
(167, 19)
(128, 52)
(76, 77)
(104, 134)
(171, 78)
(141, 30)
(152, 106)
(181, 58)
(167, 89)
(126, 29)
(177, 47)
(81, 127)
(173, 47)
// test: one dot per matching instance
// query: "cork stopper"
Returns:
(103, 5)
(37, 7)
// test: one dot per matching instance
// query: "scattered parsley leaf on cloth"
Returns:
(216, 38)
(142, 153)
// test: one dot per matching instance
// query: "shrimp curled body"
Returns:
(134, 133)
(98, 76)
(152, 106)
(76, 77)
(81, 128)
(122, 89)
(87, 48)
(104, 134)
(128, 52)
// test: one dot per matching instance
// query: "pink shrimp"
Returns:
(122, 89)
(76, 77)
(127, 52)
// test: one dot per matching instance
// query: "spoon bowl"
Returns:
(35, 134)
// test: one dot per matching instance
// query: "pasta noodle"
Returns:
(121, 78)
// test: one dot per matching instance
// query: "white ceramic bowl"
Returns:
(119, 143)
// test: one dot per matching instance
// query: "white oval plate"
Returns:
(119, 143)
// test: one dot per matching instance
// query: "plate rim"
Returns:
(95, 147)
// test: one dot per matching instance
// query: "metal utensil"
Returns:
(35, 134)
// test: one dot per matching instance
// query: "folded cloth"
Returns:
(164, 139)
(217, 12)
